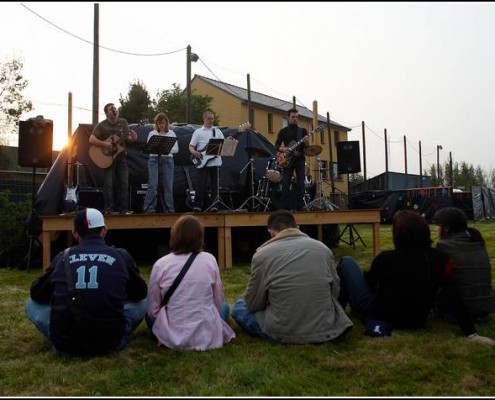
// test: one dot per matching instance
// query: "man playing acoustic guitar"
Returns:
(108, 142)
(292, 160)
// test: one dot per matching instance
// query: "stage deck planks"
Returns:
(223, 221)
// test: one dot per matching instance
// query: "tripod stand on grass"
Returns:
(33, 225)
(352, 229)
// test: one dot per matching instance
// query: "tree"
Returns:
(12, 102)
(464, 175)
(173, 103)
(136, 107)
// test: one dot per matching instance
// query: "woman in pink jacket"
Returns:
(195, 317)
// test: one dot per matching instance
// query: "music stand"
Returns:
(161, 145)
(216, 148)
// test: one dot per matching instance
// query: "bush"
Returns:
(13, 219)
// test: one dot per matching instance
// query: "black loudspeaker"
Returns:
(91, 197)
(35, 143)
(348, 160)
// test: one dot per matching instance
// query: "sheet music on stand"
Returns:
(214, 147)
(160, 145)
(228, 148)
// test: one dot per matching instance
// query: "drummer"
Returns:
(292, 161)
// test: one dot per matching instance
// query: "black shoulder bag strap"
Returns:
(179, 277)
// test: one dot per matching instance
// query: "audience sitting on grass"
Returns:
(195, 315)
(468, 266)
(399, 289)
(291, 296)
(92, 296)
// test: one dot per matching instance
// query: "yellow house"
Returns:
(268, 115)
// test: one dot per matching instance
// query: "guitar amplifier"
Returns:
(91, 197)
(138, 193)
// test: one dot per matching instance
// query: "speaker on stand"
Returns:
(34, 150)
(349, 162)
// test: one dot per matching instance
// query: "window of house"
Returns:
(270, 123)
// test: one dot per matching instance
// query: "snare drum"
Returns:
(273, 172)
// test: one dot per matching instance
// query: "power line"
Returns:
(100, 46)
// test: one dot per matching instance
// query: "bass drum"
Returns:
(273, 172)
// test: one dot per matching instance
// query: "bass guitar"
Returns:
(190, 192)
(285, 160)
(204, 159)
(104, 157)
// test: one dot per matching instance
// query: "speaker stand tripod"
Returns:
(31, 225)
(352, 241)
(352, 230)
(253, 199)
(218, 200)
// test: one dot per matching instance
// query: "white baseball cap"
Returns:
(87, 219)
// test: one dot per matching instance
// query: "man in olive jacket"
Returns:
(292, 292)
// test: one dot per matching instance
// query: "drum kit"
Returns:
(271, 180)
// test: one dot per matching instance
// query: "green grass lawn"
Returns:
(434, 361)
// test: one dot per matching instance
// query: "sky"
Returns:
(424, 72)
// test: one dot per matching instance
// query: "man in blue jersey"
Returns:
(95, 310)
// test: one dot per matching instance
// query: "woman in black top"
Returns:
(399, 289)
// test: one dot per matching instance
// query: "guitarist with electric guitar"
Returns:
(290, 144)
(107, 151)
(208, 166)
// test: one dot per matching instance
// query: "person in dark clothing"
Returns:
(109, 300)
(292, 160)
(468, 266)
(399, 289)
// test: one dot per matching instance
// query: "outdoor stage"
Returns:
(223, 221)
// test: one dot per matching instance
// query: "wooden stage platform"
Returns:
(223, 221)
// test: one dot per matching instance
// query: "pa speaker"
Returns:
(348, 160)
(35, 143)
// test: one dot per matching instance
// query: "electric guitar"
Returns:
(104, 157)
(190, 192)
(285, 160)
(203, 160)
(71, 191)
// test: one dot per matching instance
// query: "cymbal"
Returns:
(257, 152)
(313, 150)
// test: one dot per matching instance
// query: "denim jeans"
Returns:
(116, 185)
(160, 167)
(354, 288)
(247, 321)
(134, 312)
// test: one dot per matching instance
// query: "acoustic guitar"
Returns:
(285, 160)
(104, 157)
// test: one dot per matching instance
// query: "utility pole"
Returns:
(96, 63)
